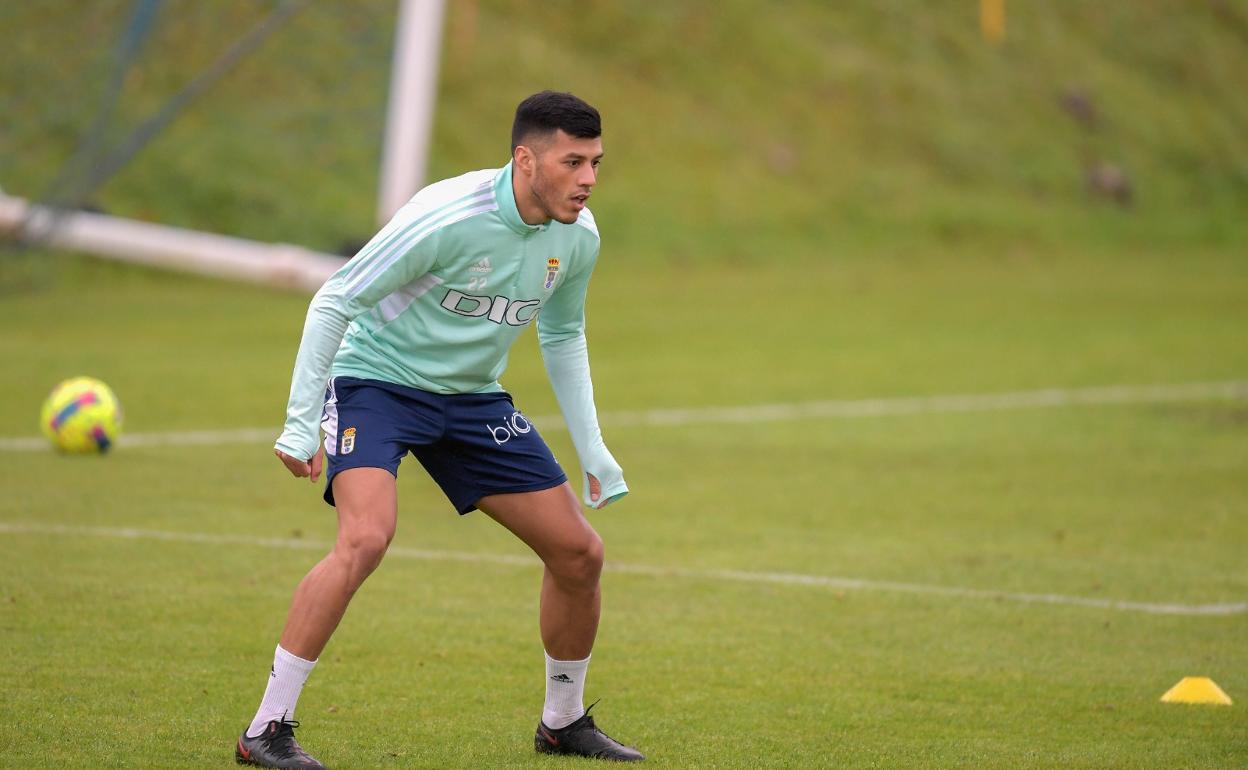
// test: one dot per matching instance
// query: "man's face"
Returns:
(564, 172)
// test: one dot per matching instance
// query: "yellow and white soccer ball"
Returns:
(81, 416)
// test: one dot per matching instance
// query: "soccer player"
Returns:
(411, 335)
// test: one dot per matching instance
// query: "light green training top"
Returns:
(435, 300)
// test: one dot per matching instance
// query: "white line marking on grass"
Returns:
(741, 576)
(174, 438)
(872, 407)
(987, 402)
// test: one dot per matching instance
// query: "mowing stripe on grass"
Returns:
(804, 410)
(741, 576)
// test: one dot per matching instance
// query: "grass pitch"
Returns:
(141, 593)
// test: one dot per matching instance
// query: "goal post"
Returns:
(413, 92)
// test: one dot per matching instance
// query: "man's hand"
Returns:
(303, 468)
(598, 497)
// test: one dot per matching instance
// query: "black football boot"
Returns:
(582, 738)
(275, 747)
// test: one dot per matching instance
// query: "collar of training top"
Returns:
(507, 208)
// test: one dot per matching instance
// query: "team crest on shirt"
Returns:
(552, 270)
(348, 441)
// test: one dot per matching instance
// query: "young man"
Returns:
(412, 335)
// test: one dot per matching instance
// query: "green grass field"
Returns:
(839, 203)
(141, 593)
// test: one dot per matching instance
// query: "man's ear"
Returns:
(523, 158)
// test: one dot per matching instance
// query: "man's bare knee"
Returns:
(579, 567)
(363, 550)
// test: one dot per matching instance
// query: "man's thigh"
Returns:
(367, 503)
(549, 521)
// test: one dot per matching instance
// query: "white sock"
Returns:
(286, 680)
(565, 692)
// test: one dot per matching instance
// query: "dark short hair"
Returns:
(547, 111)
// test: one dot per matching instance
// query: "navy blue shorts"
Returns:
(472, 444)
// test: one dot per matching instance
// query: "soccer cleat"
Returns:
(582, 738)
(275, 747)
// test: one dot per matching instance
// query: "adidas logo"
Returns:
(561, 678)
(482, 266)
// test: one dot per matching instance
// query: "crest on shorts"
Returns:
(552, 270)
(348, 441)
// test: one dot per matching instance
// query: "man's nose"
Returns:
(588, 176)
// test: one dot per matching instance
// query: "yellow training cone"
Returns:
(1196, 689)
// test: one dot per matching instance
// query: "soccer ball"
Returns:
(81, 416)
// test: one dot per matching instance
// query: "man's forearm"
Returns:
(322, 333)
(567, 365)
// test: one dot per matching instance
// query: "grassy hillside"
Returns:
(733, 134)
